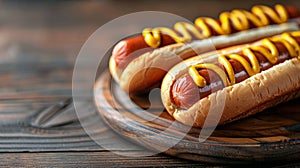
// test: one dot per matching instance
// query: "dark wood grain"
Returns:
(39, 43)
(91, 159)
(108, 159)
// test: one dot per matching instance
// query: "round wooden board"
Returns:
(270, 136)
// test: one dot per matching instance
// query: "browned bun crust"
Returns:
(268, 88)
(147, 70)
(114, 71)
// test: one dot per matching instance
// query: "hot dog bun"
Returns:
(147, 70)
(278, 84)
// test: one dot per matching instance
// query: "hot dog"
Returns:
(251, 78)
(136, 62)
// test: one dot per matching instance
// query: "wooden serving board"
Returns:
(270, 136)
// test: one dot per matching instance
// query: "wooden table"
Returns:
(39, 42)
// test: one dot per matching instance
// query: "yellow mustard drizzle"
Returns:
(240, 20)
(267, 49)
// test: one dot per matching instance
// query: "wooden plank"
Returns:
(53, 127)
(109, 159)
(91, 159)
